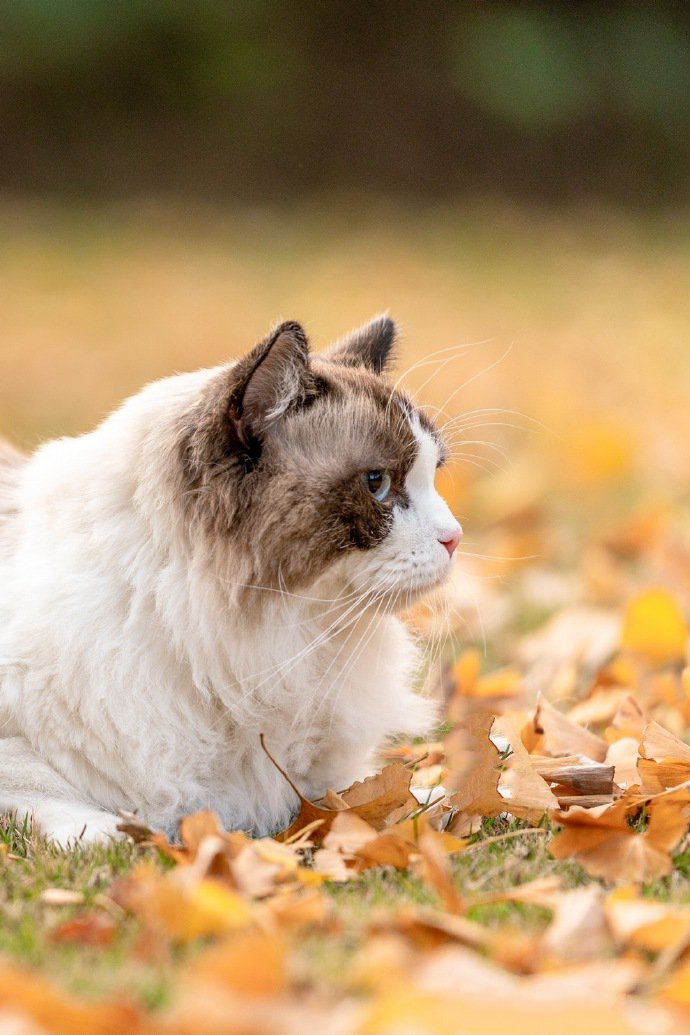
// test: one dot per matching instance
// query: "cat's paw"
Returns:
(69, 824)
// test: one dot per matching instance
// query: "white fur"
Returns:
(129, 677)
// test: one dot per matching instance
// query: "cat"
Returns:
(224, 556)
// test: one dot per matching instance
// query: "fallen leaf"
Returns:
(605, 845)
(32, 1006)
(252, 962)
(181, 905)
(433, 869)
(654, 627)
(553, 733)
(579, 930)
(377, 798)
(664, 760)
(525, 793)
(89, 929)
(644, 923)
(474, 763)
(623, 756)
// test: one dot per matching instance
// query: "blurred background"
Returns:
(509, 180)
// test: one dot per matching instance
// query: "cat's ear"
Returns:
(269, 380)
(369, 346)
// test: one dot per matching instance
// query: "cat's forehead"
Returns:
(359, 417)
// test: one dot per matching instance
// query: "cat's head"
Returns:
(315, 474)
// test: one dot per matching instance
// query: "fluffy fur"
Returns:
(207, 565)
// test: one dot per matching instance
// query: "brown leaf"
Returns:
(623, 756)
(194, 828)
(603, 842)
(181, 905)
(526, 794)
(659, 744)
(377, 797)
(353, 845)
(644, 923)
(554, 733)
(31, 1005)
(474, 763)
(251, 963)
(434, 870)
(89, 929)
(129, 824)
(378, 800)
(664, 760)
(629, 720)
(578, 931)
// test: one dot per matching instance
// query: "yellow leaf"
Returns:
(599, 452)
(182, 905)
(655, 627)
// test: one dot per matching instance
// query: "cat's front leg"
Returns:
(29, 787)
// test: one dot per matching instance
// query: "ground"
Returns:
(563, 387)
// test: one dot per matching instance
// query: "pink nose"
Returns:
(451, 542)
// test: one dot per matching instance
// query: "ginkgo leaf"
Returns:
(434, 870)
(553, 733)
(251, 963)
(605, 845)
(31, 1005)
(525, 793)
(375, 799)
(379, 800)
(645, 923)
(181, 905)
(655, 628)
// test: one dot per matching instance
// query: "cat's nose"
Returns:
(451, 541)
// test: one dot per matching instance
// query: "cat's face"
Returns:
(317, 473)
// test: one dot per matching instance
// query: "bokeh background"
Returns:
(509, 180)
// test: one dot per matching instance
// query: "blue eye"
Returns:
(378, 483)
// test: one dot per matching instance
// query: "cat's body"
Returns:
(201, 569)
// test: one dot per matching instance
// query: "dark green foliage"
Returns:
(397, 96)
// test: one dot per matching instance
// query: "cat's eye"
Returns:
(378, 483)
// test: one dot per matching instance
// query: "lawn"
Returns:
(555, 346)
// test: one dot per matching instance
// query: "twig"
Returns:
(505, 837)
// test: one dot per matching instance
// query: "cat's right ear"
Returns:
(370, 346)
(268, 381)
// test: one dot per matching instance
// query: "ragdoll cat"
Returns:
(222, 557)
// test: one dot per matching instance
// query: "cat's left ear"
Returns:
(370, 346)
(269, 380)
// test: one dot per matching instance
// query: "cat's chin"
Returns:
(401, 599)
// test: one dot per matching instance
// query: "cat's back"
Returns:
(12, 463)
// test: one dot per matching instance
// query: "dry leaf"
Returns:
(89, 929)
(604, 843)
(553, 733)
(181, 905)
(433, 869)
(252, 963)
(525, 793)
(579, 930)
(377, 798)
(654, 628)
(475, 766)
(31, 1006)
